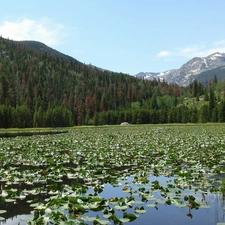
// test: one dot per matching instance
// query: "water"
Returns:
(162, 214)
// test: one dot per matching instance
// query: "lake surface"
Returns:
(115, 175)
(160, 214)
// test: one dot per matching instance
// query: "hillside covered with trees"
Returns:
(41, 90)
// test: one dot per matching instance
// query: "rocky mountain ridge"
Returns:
(188, 71)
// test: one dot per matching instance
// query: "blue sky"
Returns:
(126, 36)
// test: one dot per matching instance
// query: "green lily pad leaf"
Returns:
(34, 204)
(14, 189)
(150, 197)
(10, 200)
(47, 219)
(122, 207)
(37, 206)
(180, 205)
(2, 218)
(107, 215)
(126, 190)
(88, 219)
(2, 211)
(93, 206)
(69, 222)
(103, 222)
(130, 216)
(79, 201)
(21, 197)
(124, 220)
(141, 210)
(160, 201)
(220, 224)
(48, 211)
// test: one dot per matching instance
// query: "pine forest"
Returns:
(41, 90)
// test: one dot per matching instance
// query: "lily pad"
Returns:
(124, 220)
(141, 210)
(2, 211)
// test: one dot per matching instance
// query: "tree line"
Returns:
(40, 90)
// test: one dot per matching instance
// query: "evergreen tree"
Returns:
(24, 117)
(221, 112)
(211, 101)
(204, 114)
(194, 115)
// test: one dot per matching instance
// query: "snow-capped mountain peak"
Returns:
(187, 72)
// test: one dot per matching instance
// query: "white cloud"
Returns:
(193, 51)
(43, 30)
(188, 50)
(163, 54)
(199, 52)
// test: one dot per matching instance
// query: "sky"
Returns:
(128, 36)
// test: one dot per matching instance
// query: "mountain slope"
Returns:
(44, 48)
(189, 71)
(42, 82)
(206, 77)
(41, 47)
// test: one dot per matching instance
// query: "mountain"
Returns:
(190, 70)
(36, 81)
(41, 47)
(41, 87)
(193, 69)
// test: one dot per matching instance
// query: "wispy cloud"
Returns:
(187, 50)
(163, 53)
(193, 51)
(43, 30)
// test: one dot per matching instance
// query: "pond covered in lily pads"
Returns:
(147, 174)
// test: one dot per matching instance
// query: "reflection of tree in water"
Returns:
(13, 210)
(21, 206)
(217, 203)
(190, 215)
(222, 200)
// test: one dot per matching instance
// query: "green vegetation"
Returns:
(29, 132)
(41, 90)
(63, 178)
